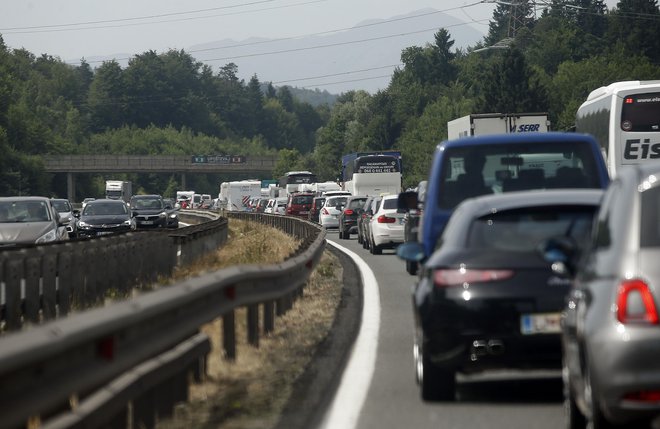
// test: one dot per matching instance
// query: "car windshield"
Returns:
(302, 199)
(61, 206)
(524, 229)
(337, 201)
(24, 211)
(147, 203)
(356, 204)
(104, 209)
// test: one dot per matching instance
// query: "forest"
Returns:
(169, 103)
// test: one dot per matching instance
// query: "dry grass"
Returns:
(252, 391)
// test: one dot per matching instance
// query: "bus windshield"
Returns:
(641, 112)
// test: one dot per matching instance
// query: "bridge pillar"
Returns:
(70, 187)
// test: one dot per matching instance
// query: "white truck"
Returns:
(497, 123)
(238, 193)
(118, 190)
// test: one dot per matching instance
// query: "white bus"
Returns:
(625, 119)
(292, 180)
(373, 175)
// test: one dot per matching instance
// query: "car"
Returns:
(86, 200)
(366, 223)
(487, 298)
(329, 216)
(299, 204)
(30, 220)
(261, 205)
(270, 205)
(610, 327)
(66, 213)
(105, 216)
(411, 223)
(280, 205)
(349, 216)
(150, 211)
(362, 220)
(385, 225)
(315, 210)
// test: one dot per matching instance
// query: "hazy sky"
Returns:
(73, 29)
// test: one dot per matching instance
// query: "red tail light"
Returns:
(348, 212)
(453, 277)
(643, 396)
(385, 219)
(325, 212)
(635, 303)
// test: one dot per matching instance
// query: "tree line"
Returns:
(169, 103)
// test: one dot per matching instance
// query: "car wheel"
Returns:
(436, 384)
(573, 418)
(375, 250)
(411, 267)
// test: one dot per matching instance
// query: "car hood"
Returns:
(104, 219)
(23, 232)
(148, 211)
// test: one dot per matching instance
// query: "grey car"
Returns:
(29, 220)
(610, 331)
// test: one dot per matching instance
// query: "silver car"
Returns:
(29, 220)
(610, 330)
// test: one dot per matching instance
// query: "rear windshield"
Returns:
(357, 203)
(302, 199)
(336, 201)
(389, 204)
(641, 112)
(101, 209)
(480, 170)
(523, 230)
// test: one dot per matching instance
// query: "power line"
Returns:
(337, 74)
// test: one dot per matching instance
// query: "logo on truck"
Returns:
(637, 149)
(527, 128)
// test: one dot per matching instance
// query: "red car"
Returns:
(299, 204)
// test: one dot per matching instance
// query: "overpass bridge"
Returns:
(181, 164)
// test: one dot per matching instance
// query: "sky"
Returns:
(75, 29)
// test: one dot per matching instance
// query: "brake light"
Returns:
(385, 219)
(348, 212)
(453, 277)
(325, 212)
(635, 303)
(643, 396)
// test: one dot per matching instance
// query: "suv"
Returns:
(150, 211)
(317, 203)
(299, 204)
(348, 218)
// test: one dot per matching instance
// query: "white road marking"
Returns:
(344, 411)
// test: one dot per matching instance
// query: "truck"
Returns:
(184, 196)
(497, 123)
(237, 194)
(118, 190)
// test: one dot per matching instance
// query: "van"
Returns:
(480, 165)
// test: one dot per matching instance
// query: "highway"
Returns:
(505, 399)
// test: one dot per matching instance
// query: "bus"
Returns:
(624, 117)
(292, 180)
(372, 174)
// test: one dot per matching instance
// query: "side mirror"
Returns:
(410, 251)
(407, 201)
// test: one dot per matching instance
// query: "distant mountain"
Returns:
(361, 58)
(336, 62)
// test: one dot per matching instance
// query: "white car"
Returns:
(386, 226)
(329, 215)
(280, 207)
(269, 206)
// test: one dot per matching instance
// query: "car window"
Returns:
(302, 199)
(61, 206)
(524, 229)
(390, 203)
(356, 204)
(147, 203)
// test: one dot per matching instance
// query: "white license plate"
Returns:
(104, 232)
(148, 222)
(540, 323)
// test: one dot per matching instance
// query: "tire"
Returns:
(435, 383)
(411, 267)
(374, 249)
(360, 238)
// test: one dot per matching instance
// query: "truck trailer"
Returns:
(497, 123)
(118, 190)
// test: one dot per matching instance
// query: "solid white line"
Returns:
(344, 411)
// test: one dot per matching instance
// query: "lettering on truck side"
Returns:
(635, 149)
(527, 128)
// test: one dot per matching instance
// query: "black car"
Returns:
(348, 218)
(150, 211)
(487, 298)
(101, 217)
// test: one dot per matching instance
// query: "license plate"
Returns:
(148, 222)
(104, 232)
(540, 323)
(304, 212)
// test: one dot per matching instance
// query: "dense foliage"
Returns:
(169, 103)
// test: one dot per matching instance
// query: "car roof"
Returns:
(24, 198)
(514, 138)
(106, 201)
(146, 196)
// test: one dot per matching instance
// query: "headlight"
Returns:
(47, 237)
(173, 216)
(128, 222)
(82, 224)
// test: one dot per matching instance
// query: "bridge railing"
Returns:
(126, 364)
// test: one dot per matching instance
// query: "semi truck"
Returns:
(497, 123)
(118, 190)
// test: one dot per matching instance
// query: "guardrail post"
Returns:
(64, 280)
(49, 281)
(253, 325)
(269, 316)
(13, 278)
(143, 411)
(31, 303)
(229, 335)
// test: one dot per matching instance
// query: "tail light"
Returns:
(325, 211)
(648, 396)
(635, 303)
(385, 219)
(348, 212)
(289, 210)
(453, 277)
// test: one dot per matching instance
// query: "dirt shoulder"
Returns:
(289, 379)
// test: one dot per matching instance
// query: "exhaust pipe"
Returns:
(495, 347)
(479, 348)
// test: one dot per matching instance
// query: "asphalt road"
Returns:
(505, 399)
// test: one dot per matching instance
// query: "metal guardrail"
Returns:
(44, 282)
(83, 370)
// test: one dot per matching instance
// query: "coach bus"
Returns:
(292, 180)
(372, 174)
(624, 117)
